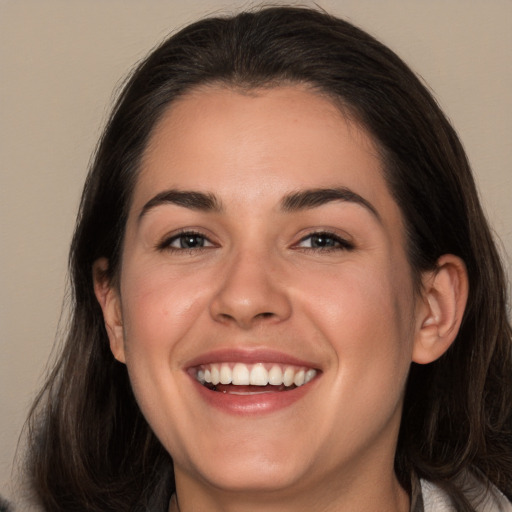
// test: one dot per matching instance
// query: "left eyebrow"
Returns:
(313, 198)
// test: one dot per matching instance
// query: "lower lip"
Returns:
(257, 403)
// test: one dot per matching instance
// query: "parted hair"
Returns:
(90, 448)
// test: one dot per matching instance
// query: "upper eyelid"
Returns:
(344, 237)
(346, 242)
(322, 232)
(167, 239)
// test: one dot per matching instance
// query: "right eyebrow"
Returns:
(186, 198)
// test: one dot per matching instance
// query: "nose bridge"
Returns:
(252, 289)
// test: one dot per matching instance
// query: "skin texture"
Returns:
(259, 283)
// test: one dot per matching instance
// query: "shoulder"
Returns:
(483, 498)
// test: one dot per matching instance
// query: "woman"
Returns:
(286, 295)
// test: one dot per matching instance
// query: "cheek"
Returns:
(366, 313)
(159, 307)
(160, 311)
(362, 316)
(362, 298)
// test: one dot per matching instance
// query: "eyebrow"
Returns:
(296, 201)
(188, 199)
(313, 198)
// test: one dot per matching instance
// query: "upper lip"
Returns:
(249, 356)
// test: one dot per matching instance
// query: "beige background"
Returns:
(60, 62)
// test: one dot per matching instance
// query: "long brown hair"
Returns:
(91, 449)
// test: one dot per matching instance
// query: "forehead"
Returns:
(259, 144)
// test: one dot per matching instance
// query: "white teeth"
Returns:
(310, 374)
(215, 374)
(289, 375)
(240, 376)
(225, 374)
(299, 378)
(275, 376)
(259, 374)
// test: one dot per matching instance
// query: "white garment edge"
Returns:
(436, 500)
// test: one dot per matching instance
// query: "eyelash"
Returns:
(337, 243)
(333, 242)
(165, 245)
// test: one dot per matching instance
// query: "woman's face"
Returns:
(263, 245)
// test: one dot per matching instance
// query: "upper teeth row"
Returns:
(241, 374)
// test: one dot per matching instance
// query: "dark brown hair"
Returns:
(92, 450)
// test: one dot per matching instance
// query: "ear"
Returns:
(441, 308)
(110, 302)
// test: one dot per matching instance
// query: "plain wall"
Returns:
(60, 62)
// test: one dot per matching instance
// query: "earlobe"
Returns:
(109, 300)
(441, 309)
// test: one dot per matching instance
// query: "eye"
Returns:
(186, 240)
(324, 241)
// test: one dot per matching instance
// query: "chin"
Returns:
(248, 479)
(238, 470)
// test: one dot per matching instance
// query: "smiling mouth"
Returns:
(249, 379)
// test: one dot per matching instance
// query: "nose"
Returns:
(252, 292)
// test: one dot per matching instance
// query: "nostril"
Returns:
(264, 315)
(246, 321)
